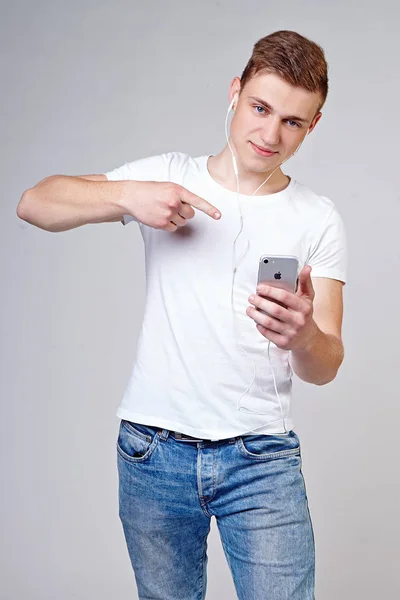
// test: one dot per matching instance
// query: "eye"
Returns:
(262, 108)
(294, 123)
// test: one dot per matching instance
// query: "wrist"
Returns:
(312, 338)
(123, 198)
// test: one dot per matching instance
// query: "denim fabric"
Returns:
(254, 487)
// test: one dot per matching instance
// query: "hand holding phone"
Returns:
(278, 271)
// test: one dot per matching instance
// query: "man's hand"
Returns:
(163, 205)
(290, 326)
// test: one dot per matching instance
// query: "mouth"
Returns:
(262, 151)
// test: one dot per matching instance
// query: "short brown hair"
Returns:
(296, 59)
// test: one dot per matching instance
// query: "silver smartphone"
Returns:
(278, 271)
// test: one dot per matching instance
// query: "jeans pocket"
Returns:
(136, 442)
(269, 446)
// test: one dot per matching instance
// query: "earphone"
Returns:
(234, 266)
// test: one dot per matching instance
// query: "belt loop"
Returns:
(164, 433)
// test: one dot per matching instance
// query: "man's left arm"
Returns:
(309, 325)
(319, 361)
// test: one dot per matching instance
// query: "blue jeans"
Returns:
(253, 485)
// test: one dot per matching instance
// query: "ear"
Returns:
(234, 91)
(314, 122)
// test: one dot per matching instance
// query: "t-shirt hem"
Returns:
(208, 434)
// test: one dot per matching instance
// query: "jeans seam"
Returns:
(146, 455)
(199, 488)
(133, 431)
(270, 456)
(203, 567)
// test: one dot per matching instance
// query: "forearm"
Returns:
(319, 362)
(61, 202)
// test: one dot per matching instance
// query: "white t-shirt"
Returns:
(191, 368)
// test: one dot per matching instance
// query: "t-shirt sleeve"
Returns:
(329, 254)
(151, 168)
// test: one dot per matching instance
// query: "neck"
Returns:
(221, 170)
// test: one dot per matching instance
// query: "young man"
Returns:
(185, 451)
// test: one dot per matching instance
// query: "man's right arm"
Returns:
(63, 202)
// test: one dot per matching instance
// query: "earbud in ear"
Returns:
(234, 99)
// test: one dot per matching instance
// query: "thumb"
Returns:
(305, 287)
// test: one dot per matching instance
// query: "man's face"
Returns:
(268, 116)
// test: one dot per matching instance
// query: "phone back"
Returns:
(278, 271)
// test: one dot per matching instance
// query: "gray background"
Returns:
(87, 86)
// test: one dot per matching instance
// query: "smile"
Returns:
(262, 152)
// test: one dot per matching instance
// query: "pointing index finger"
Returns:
(199, 203)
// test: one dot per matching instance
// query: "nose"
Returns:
(271, 133)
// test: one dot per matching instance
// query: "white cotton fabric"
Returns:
(190, 368)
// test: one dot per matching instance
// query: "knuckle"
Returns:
(171, 201)
(301, 321)
(268, 321)
(284, 297)
(275, 310)
(174, 202)
(284, 343)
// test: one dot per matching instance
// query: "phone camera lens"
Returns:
(266, 260)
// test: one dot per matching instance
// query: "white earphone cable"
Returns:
(234, 267)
